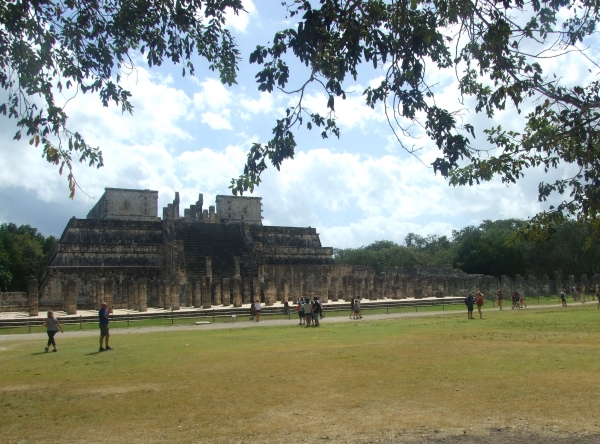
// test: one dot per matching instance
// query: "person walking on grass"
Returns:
(499, 298)
(357, 308)
(352, 308)
(104, 318)
(257, 309)
(479, 303)
(522, 301)
(52, 326)
(469, 302)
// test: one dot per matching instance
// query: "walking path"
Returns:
(247, 324)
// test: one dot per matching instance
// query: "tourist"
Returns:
(352, 309)
(321, 315)
(257, 309)
(52, 326)
(479, 303)
(522, 301)
(499, 298)
(103, 316)
(300, 309)
(469, 301)
(316, 310)
(598, 294)
(357, 309)
(515, 299)
(307, 312)
(563, 297)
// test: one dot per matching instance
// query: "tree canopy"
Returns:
(495, 49)
(23, 253)
(493, 248)
(47, 46)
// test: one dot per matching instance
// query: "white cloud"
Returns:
(217, 121)
(240, 21)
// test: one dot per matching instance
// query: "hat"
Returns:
(103, 303)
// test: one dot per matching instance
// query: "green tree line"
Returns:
(493, 248)
(23, 253)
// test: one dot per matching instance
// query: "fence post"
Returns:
(213, 315)
(29, 325)
(127, 319)
(171, 316)
(80, 326)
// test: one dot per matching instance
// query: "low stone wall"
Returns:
(14, 301)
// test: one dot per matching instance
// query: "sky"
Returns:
(191, 135)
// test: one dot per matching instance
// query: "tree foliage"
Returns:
(25, 252)
(493, 248)
(496, 50)
(59, 46)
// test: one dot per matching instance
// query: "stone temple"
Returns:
(126, 255)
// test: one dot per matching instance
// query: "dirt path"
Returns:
(244, 324)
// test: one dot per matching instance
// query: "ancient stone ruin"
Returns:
(124, 254)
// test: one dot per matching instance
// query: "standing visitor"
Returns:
(469, 302)
(479, 303)
(316, 307)
(357, 309)
(257, 309)
(103, 317)
(307, 312)
(499, 297)
(300, 309)
(563, 297)
(52, 326)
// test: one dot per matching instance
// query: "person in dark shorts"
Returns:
(52, 326)
(300, 309)
(103, 318)
(469, 302)
(316, 311)
(499, 299)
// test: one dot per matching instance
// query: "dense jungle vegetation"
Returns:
(493, 248)
(23, 253)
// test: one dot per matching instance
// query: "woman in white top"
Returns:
(52, 326)
(257, 309)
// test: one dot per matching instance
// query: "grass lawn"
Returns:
(527, 369)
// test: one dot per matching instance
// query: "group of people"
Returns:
(53, 326)
(517, 299)
(310, 312)
(470, 301)
(578, 294)
(355, 309)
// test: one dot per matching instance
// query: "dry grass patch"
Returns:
(388, 380)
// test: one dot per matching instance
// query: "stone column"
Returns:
(197, 293)
(270, 292)
(142, 295)
(162, 294)
(206, 299)
(237, 291)
(189, 298)
(216, 290)
(324, 289)
(285, 297)
(32, 296)
(70, 296)
(246, 291)
(168, 295)
(135, 289)
(226, 299)
(256, 290)
(208, 261)
(175, 298)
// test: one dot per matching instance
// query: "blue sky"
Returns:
(191, 135)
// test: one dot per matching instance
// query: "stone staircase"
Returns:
(219, 241)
